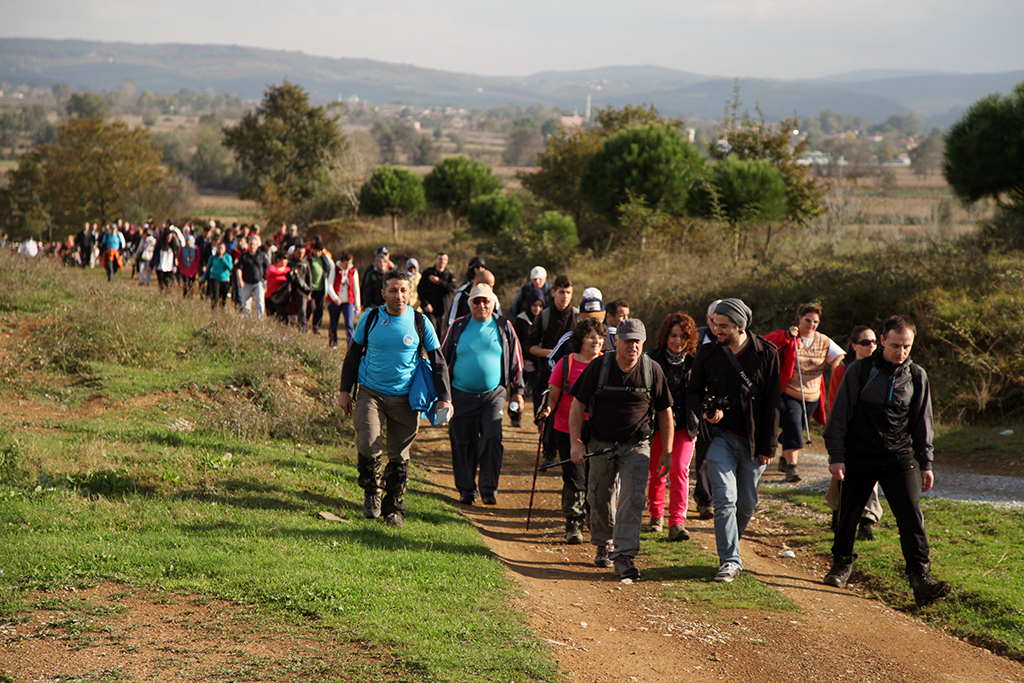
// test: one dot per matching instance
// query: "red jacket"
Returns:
(787, 357)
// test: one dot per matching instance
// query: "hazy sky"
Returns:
(760, 38)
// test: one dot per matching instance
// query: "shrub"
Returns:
(492, 213)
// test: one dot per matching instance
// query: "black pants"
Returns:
(702, 484)
(219, 293)
(901, 484)
(315, 310)
(163, 278)
(475, 435)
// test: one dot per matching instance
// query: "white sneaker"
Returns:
(727, 572)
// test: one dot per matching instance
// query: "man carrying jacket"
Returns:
(741, 374)
(880, 431)
(484, 359)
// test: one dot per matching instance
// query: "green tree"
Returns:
(87, 105)
(612, 120)
(455, 182)
(94, 171)
(285, 148)
(392, 192)
(524, 143)
(926, 158)
(984, 150)
(652, 163)
(560, 168)
(491, 213)
(741, 192)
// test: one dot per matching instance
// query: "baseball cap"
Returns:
(383, 251)
(631, 329)
(592, 308)
(538, 273)
(482, 289)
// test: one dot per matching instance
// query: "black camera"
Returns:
(713, 403)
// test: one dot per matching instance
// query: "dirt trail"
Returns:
(602, 630)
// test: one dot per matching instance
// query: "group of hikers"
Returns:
(624, 424)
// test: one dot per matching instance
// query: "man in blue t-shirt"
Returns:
(484, 359)
(382, 356)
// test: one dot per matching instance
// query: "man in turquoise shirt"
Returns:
(382, 356)
(484, 358)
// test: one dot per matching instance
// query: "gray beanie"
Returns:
(736, 311)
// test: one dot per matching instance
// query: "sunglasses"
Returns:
(480, 301)
(866, 342)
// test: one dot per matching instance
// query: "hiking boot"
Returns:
(840, 572)
(467, 498)
(791, 476)
(488, 499)
(657, 524)
(395, 519)
(865, 533)
(371, 504)
(705, 512)
(927, 589)
(625, 569)
(676, 532)
(602, 559)
(727, 572)
(573, 534)
(782, 464)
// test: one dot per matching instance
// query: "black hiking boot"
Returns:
(926, 589)
(840, 572)
(865, 532)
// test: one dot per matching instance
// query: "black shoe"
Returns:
(625, 569)
(516, 420)
(926, 589)
(488, 499)
(705, 512)
(467, 498)
(840, 572)
(395, 519)
(371, 504)
(865, 533)
(791, 476)
(602, 559)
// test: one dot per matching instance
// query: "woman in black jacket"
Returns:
(676, 343)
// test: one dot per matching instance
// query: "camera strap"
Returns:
(737, 367)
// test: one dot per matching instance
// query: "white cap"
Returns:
(538, 273)
(592, 293)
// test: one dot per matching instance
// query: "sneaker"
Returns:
(395, 519)
(791, 476)
(657, 524)
(602, 559)
(625, 569)
(705, 512)
(371, 504)
(727, 572)
(865, 533)
(676, 532)
(467, 498)
(926, 589)
(488, 499)
(840, 572)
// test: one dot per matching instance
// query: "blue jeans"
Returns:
(734, 481)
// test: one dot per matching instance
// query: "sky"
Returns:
(784, 39)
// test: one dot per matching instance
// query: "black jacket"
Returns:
(760, 406)
(676, 376)
(511, 353)
(890, 416)
(300, 277)
(371, 288)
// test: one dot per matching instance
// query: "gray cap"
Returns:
(631, 329)
(736, 311)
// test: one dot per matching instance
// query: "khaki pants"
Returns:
(374, 414)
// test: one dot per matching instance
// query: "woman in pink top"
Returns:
(277, 277)
(587, 342)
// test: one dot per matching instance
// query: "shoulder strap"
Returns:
(371, 321)
(866, 366)
(420, 329)
(566, 371)
(545, 320)
(737, 367)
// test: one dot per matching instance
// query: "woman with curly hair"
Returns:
(676, 345)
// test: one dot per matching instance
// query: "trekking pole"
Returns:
(800, 376)
(536, 463)
(585, 457)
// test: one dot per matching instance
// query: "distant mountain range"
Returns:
(938, 97)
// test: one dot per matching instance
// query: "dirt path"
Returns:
(602, 630)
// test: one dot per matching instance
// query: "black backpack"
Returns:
(646, 372)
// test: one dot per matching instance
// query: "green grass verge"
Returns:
(974, 546)
(685, 570)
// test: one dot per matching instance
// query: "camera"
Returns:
(713, 403)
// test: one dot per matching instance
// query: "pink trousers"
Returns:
(678, 479)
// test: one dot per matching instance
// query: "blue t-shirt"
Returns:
(477, 368)
(391, 351)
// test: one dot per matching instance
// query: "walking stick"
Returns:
(536, 463)
(800, 376)
(585, 457)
